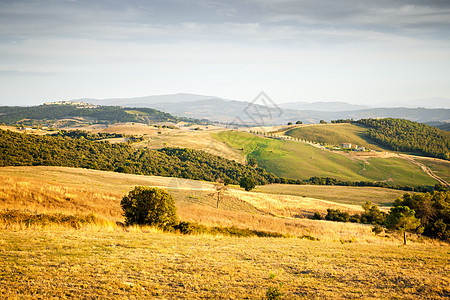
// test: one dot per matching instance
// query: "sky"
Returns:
(357, 51)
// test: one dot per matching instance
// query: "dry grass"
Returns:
(322, 230)
(291, 206)
(43, 197)
(123, 128)
(99, 259)
(38, 264)
(338, 194)
(200, 140)
(79, 191)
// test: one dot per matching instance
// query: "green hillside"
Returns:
(334, 135)
(408, 136)
(20, 149)
(69, 115)
(292, 159)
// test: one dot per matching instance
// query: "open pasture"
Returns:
(334, 135)
(337, 194)
(80, 191)
(291, 159)
(148, 264)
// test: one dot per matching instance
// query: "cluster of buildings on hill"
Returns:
(355, 147)
(78, 104)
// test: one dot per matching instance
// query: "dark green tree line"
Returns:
(19, 149)
(408, 136)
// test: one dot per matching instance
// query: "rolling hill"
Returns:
(108, 261)
(69, 115)
(292, 159)
(228, 111)
(335, 135)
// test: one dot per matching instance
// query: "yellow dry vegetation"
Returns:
(103, 260)
(40, 196)
(291, 206)
(75, 264)
(81, 191)
(199, 140)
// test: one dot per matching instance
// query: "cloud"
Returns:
(116, 19)
(16, 73)
(208, 42)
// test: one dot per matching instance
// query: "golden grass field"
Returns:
(338, 194)
(70, 264)
(104, 260)
(200, 140)
(81, 191)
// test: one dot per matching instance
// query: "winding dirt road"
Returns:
(424, 168)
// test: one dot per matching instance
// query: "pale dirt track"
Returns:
(424, 168)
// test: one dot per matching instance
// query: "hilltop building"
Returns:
(78, 104)
(346, 145)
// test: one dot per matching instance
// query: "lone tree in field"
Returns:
(220, 190)
(403, 219)
(149, 206)
(247, 183)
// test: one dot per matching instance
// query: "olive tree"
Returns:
(149, 206)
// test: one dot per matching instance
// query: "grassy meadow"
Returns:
(97, 258)
(144, 264)
(337, 194)
(81, 192)
(334, 135)
(293, 159)
(197, 139)
(439, 167)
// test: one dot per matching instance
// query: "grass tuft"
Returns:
(25, 220)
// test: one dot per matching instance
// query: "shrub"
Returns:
(274, 293)
(317, 216)
(377, 229)
(149, 206)
(247, 183)
(337, 215)
(372, 214)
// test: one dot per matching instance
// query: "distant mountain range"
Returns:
(269, 113)
(322, 106)
(425, 103)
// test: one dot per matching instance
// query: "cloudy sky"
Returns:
(295, 50)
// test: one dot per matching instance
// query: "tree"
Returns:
(221, 189)
(403, 219)
(337, 215)
(323, 122)
(299, 122)
(149, 206)
(289, 123)
(317, 216)
(372, 214)
(252, 162)
(247, 183)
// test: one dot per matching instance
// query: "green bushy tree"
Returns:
(372, 214)
(337, 215)
(403, 219)
(149, 206)
(247, 183)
